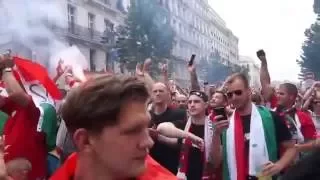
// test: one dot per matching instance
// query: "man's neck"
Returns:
(289, 106)
(87, 170)
(160, 108)
(246, 110)
(199, 120)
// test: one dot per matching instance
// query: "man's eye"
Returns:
(133, 131)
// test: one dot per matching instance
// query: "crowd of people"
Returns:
(117, 127)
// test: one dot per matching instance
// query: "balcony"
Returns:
(81, 33)
(103, 5)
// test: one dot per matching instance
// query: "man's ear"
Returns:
(82, 140)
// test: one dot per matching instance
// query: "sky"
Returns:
(277, 26)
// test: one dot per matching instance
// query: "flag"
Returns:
(37, 78)
(44, 92)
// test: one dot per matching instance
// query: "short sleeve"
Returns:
(180, 124)
(282, 131)
(181, 114)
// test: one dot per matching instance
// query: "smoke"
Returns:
(33, 25)
(25, 22)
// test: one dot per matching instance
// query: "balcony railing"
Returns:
(76, 31)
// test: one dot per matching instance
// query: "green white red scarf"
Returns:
(187, 143)
(262, 145)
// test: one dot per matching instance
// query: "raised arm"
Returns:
(170, 132)
(15, 91)
(265, 80)
(194, 78)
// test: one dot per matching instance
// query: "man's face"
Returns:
(284, 98)
(122, 148)
(196, 105)
(217, 100)
(159, 93)
(238, 94)
(182, 101)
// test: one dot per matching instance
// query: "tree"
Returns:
(216, 70)
(310, 58)
(147, 34)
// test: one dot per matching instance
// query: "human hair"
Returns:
(240, 76)
(225, 98)
(18, 165)
(291, 89)
(97, 103)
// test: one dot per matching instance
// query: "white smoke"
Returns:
(30, 24)
(26, 22)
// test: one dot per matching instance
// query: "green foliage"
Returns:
(214, 70)
(147, 34)
(310, 58)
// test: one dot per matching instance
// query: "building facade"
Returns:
(199, 30)
(87, 24)
(254, 70)
(91, 27)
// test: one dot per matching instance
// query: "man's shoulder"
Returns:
(176, 112)
(267, 111)
(180, 124)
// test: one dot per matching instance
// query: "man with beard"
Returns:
(251, 144)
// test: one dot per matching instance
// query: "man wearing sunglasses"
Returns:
(251, 138)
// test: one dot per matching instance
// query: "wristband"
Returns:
(7, 70)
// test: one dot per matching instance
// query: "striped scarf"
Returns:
(262, 145)
(187, 143)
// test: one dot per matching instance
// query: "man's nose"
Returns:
(146, 142)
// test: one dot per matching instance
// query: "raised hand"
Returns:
(146, 65)
(139, 69)
(261, 55)
(164, 68)
(199, 142)
(191, 68)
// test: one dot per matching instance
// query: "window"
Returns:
(71, 13)
(71, 18)
(108, 24)
(91, 21)
(92, 59)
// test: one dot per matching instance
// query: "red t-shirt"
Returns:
(154, 170)
(21, 134)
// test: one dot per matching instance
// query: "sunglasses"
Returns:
(202, 95)
(316, 102)
(236, 92)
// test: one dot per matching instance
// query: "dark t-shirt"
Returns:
(307, 168)
(282, 133)
(167, 156)
(195, 166)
